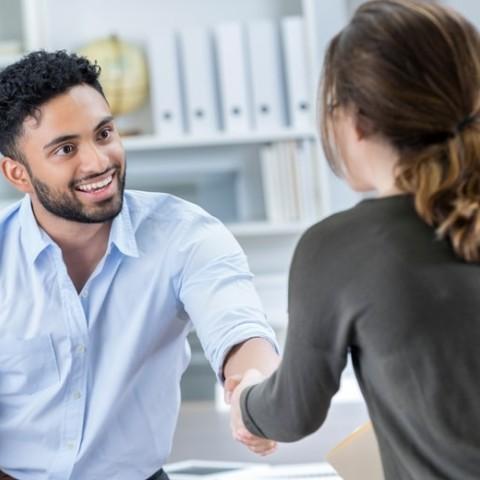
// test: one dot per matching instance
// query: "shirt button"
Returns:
(70, 445)
(84, 294)
(81, 348)
(77, 395)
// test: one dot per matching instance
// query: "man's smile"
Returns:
(99, 186)
(95, 186)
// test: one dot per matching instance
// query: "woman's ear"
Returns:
(363, 126)
(16, 174)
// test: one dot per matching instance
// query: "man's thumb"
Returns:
(230, 385)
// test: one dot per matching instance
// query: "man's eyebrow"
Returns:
(104, 122)
(60, 139)
(65, 138)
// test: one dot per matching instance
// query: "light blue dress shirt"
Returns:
(89, 382)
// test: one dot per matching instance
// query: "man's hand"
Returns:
(230, 384)
(234, 386)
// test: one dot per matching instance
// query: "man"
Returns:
(100, 287)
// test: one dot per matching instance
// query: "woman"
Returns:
(395, 281)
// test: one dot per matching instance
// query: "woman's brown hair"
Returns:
(411, 71)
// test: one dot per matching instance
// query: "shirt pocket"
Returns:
(27, 365)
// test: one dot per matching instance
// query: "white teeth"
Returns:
(90, 187)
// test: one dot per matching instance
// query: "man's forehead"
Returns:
(79, 107)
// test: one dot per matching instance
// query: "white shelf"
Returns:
(252, 229)
(6, 60)
(155, 142)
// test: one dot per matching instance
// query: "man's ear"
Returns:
(16, 173)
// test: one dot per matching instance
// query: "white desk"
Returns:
(204, 433)
(215, 470)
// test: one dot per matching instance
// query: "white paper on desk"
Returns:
(306, 471)
(266, 74)
(245, 471)
(298, 85)
(214, 470)
(198, 72)
(165, 84)
(232, 69)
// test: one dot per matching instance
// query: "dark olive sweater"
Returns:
(375, 282)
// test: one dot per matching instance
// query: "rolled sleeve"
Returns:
(217, 292)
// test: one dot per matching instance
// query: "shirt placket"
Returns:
(74, 401)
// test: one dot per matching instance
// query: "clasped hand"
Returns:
(234, 386)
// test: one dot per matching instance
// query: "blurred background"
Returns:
(216, 103)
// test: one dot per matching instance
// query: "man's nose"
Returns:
(94, 159)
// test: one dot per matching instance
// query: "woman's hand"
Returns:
(235, 386)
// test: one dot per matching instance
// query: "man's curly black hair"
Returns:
(27, 84)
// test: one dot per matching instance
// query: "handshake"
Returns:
(234, 386)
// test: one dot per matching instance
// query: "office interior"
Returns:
(216, 103)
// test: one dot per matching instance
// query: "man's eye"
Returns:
(105, 133)
(65, 150)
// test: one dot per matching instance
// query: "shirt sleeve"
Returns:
(217, 292)
(293, 401)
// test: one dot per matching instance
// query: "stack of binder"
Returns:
(290, 175)
(231, 78)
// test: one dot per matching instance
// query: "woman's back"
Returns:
(413, 328)
(376, 282)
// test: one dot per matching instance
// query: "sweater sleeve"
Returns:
(293, 401)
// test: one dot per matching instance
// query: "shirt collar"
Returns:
(35, 240)
(122, 234)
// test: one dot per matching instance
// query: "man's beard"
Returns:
(70, 208)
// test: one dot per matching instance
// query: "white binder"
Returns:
(270, 183)
(287, 187)
(232, 68)
(298, 85)
(267, 75)
(165, 84)
(197, 65)
(307, 188)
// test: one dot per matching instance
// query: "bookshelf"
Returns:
(221, 170)
(150, 152)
